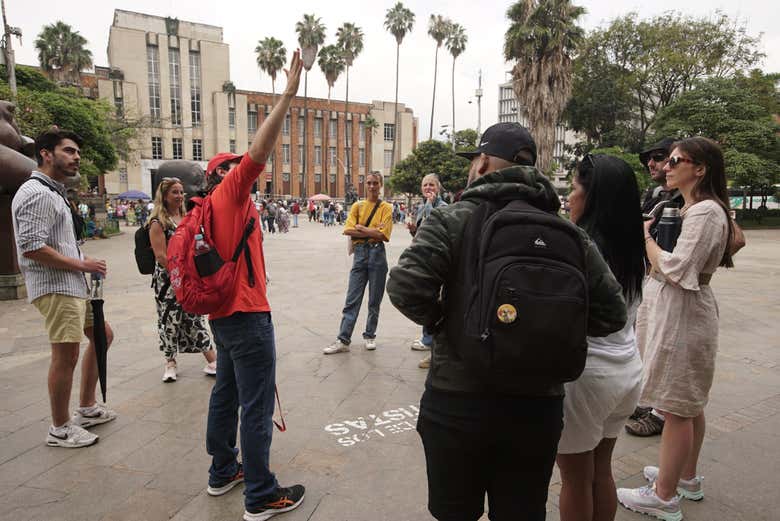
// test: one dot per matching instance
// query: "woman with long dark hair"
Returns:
(677, 327)
(180, 332)
(604, 202)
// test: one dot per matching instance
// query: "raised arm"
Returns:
(265, 139)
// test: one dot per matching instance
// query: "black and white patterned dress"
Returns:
(180, 332)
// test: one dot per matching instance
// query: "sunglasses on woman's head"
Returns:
(676, 160)
(172, 179)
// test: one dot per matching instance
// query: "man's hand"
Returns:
(412, 228)
(90, 265)
(294, 73)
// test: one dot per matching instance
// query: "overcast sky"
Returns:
(373, 74)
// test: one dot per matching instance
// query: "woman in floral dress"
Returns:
(180, 332)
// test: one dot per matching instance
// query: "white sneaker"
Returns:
(644, 500)
(417, 345)
(211, 368)
(72, 438)
(336, 347)
(688, 488)
(100, 414)
(170, 372)
(370, 344)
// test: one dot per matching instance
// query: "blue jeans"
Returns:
(246, 377)
(295, 220)
(427, 337)
(369, 266)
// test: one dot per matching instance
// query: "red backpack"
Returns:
(203, 282)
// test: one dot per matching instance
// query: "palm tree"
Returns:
(311, 34)
(542, 37)
(438, 28)
(332, 64)
(62, 52)
(456, 43)
(349, 38)
(271, 57)
(398, 21)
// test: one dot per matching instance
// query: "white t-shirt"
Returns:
(150, 207)
(618, 347)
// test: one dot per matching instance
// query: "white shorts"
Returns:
(597, 404)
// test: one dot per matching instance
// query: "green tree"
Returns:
(600, 106)
(371, 124)
(466, 140)
(311, 34)
(29, 77)
(632, 158)
(456, 44)
(349, 39)
(331, 62)
(542, 38)
(62, 52)
(271, 57)
(735, 113)
(430, 157)
(660, 58)
(398, 21)
(438, 29)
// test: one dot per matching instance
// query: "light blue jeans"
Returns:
(369, 266)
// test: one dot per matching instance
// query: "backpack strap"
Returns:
(371, 215)
(78, 221)
(243, 246)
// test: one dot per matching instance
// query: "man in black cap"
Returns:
(477, 439)
(654, 158)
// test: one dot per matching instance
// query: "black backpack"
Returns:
(144, 255)
(518, 310)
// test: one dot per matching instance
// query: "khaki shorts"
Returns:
(66, 317)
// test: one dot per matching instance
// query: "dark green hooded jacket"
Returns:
(415, 284)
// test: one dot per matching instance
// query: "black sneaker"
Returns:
(227, 486)
(283, 500)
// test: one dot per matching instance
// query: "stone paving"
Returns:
(350, 417)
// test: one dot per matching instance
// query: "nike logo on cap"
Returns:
(484, 143)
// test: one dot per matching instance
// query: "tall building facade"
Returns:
(510, 110)
(173, 77)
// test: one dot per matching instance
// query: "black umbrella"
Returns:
(99, 328)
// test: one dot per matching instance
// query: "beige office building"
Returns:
(174, 76)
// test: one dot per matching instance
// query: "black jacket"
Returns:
(416, 283)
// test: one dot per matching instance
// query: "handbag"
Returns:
(350, 244)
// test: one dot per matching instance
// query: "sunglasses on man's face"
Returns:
(676, 160)
(658, 157)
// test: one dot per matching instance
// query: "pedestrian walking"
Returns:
(491, 413)
(431, 188)
(54, 268)
(244, 332)
(179, 331)
(604, 202)
(369, 226)
(677, 326)
(295, 210)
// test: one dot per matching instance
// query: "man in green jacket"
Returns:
(476, 440)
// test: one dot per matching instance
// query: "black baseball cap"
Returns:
(505, 140)
(665, 145)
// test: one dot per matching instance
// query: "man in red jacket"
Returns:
(244, 333)
(295, 210)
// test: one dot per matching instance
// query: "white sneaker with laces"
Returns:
(370, 344)
(644, 500)
(211, 368)
(99, 414)
(336, 347)
(417, 345)
(72, 437)
(687, 488)
(170, 372)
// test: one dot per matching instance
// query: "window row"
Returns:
(174, 71)
(177, 148)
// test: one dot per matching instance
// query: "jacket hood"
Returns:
(507, 183)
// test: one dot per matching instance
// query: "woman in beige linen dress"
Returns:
(677, 326)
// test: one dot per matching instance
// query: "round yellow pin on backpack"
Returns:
(507, 313)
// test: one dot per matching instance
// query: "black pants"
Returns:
(511, 462)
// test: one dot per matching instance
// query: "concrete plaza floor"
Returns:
(350, 417)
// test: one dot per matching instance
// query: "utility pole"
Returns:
(478, 95)
(8, 52)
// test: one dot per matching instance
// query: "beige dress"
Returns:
(677, 322)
